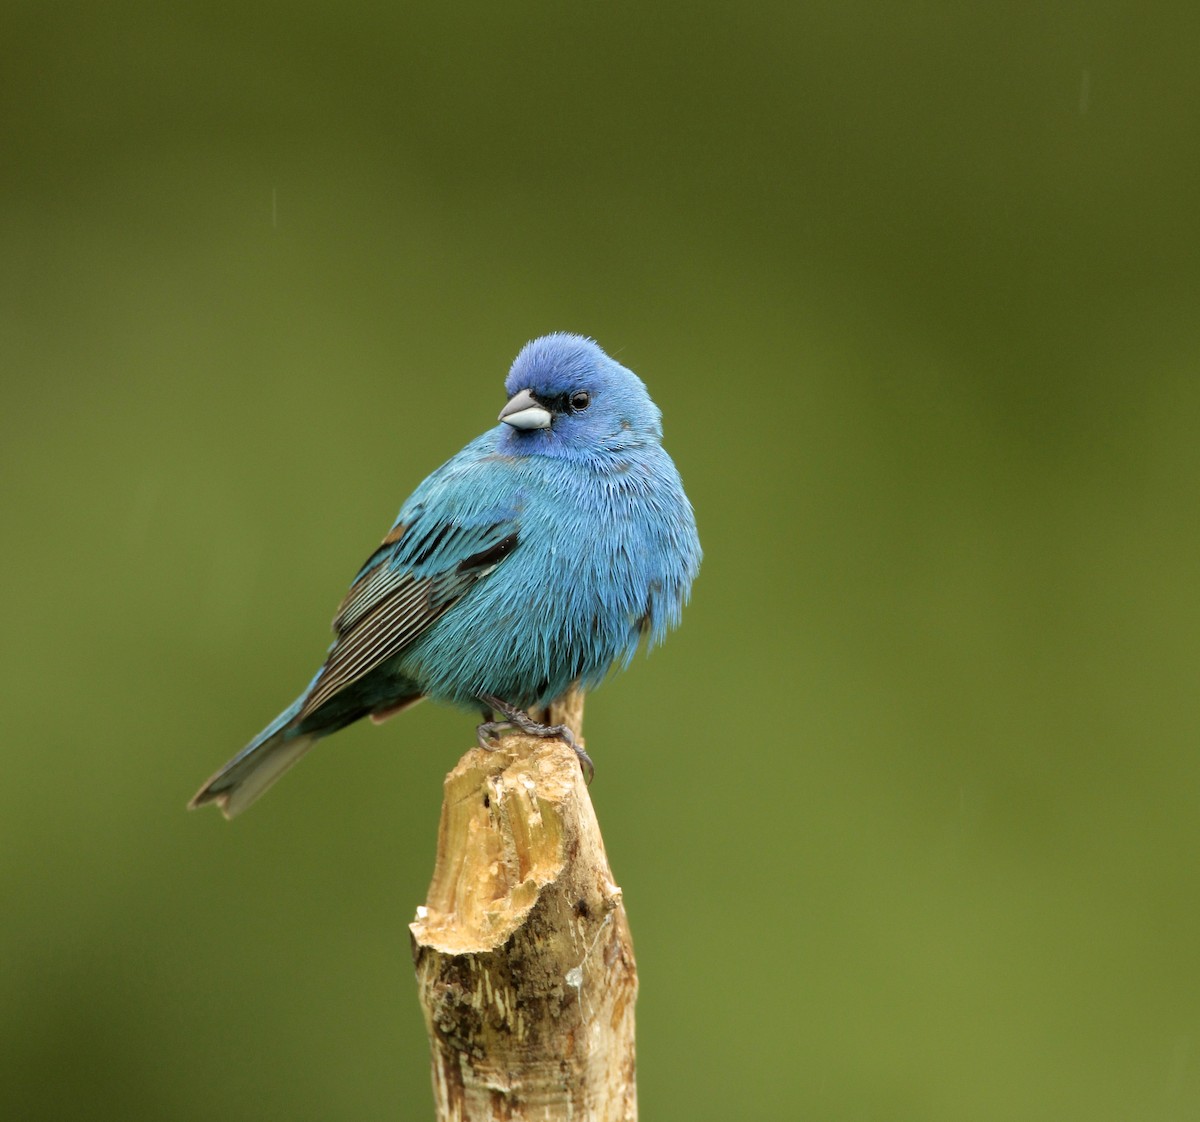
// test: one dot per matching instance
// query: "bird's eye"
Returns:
(579, 401)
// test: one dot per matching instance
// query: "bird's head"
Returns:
(567, 397)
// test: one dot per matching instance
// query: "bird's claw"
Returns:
(488, 734)
(514, 718)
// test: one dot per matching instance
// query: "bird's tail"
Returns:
(256, 766)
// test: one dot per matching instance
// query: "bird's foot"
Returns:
(488, 734)
(514, 718)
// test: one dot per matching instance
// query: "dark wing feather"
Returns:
(414, 576)
(376, 583)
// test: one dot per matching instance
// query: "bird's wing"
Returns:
(428, 561)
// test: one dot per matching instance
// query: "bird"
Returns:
(533, 562)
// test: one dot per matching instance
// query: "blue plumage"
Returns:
(534, 560)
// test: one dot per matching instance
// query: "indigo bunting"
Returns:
(532, 562)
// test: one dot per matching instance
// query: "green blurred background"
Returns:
(906, 813)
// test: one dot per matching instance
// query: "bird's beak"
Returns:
(524, 412)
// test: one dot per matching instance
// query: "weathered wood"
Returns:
(524, 963)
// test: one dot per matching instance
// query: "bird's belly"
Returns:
(524, 642)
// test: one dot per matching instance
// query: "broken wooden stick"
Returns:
(524, 963)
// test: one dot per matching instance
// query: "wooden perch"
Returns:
(524, 962)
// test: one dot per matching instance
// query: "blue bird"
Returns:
(532, 562)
